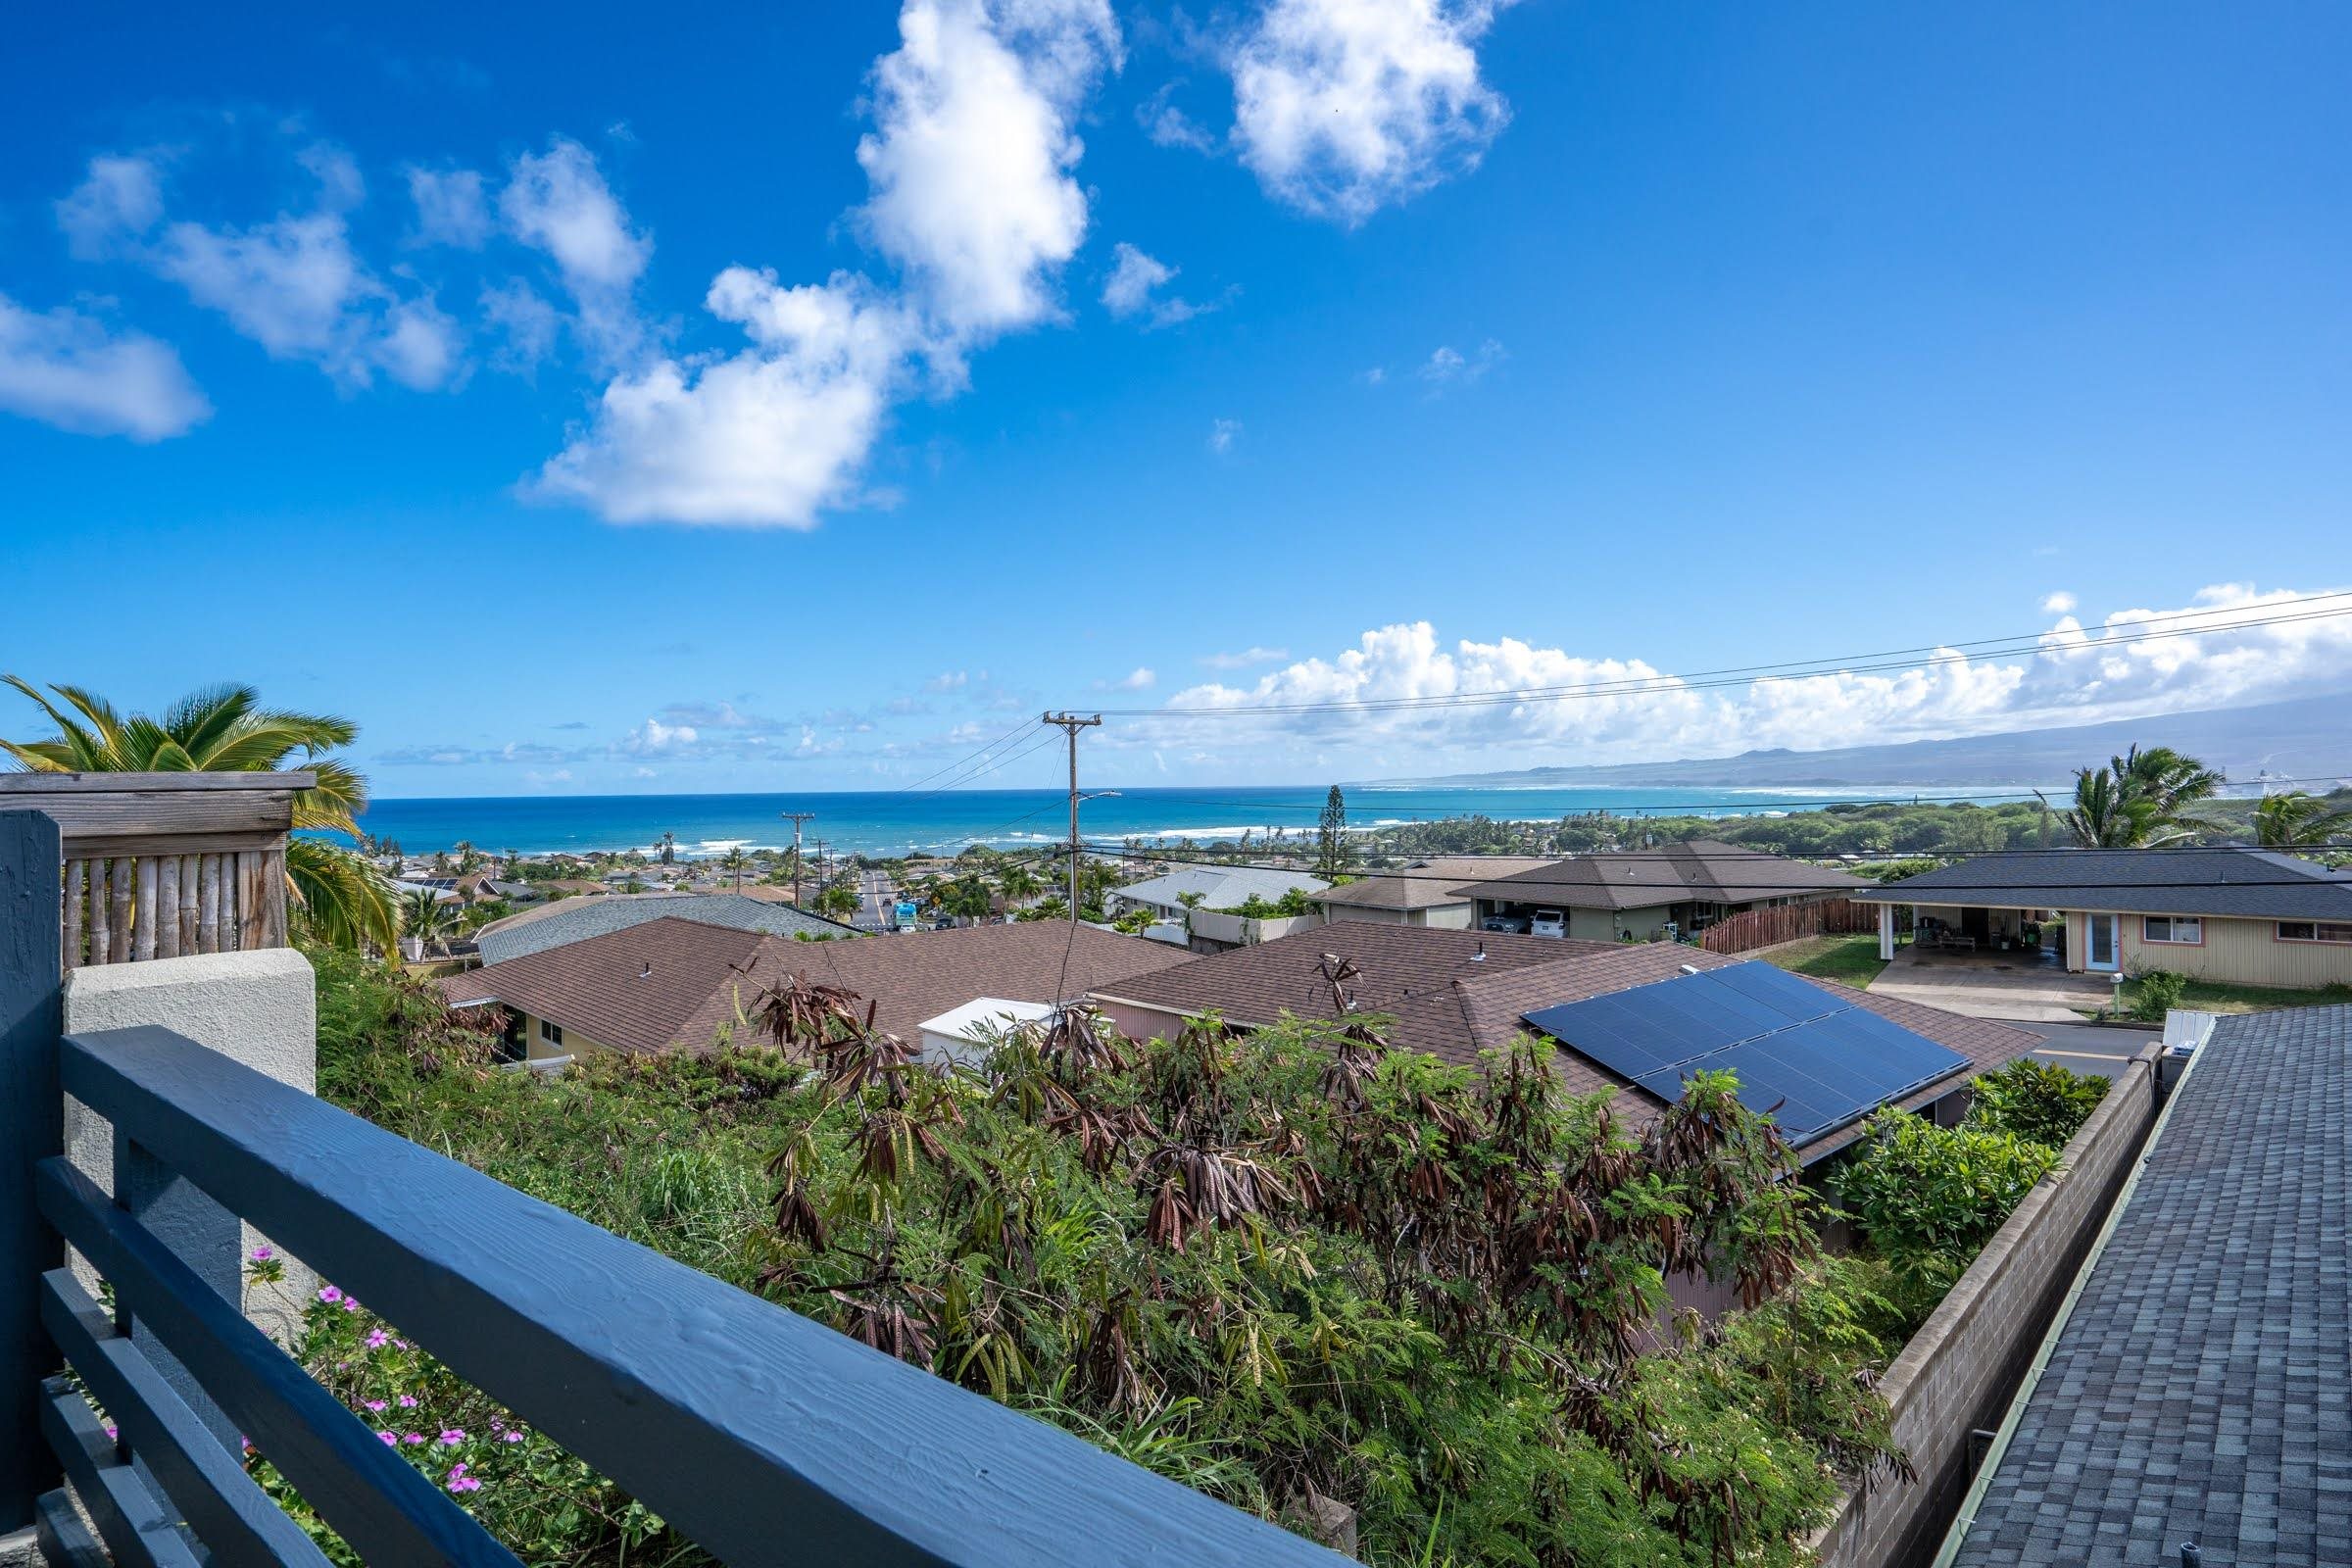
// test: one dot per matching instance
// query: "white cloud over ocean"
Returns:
(2231, 644)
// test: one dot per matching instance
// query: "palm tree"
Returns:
(669, 849)
(224, 729)
(734, 860)
(836, 902)
(2142, 799)
(2174, 785)
(2298, 820)
(1019, 883)
(425, 919)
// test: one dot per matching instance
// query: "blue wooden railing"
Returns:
(760, 1435)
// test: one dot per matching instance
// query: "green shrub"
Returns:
(1929, 1197)
(2159, 992)
(2039, 1101)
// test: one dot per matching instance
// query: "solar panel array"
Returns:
(1800, 1051)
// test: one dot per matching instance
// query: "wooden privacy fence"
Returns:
(163, 864)
(1751, 929)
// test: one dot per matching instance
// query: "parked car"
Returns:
(1508, 923)
(1549, 923)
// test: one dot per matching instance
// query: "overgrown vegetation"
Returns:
(1296, 1263)
(1926, 1199)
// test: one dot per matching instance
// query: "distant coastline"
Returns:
(880, 823)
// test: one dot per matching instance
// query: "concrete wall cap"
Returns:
(119, 979)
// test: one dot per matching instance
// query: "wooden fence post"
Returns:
(32, 1129)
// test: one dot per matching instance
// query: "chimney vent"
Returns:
(646, 973)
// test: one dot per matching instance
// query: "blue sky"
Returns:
(759, 403)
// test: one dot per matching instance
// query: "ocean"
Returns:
(888, 822)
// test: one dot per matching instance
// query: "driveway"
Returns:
(2089, 1048)
(1987, 987)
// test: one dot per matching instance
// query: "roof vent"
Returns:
(1689, 968)
(1480, 957)
(646, 973)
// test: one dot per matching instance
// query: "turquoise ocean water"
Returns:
(944, 821)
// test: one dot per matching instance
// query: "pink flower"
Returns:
(464, 1483)
(377, 1338)
(390, 1441)
(110, 1432)
(329, 1295)
(414, 1439)
(374, 1405)
(453, 1437)
(408, 1401)
(399, 1344)
(350, 1304)
(511, 1436)
(262, 1254)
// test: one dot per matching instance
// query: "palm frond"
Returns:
(344, 899)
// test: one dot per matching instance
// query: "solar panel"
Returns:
(1804, 1048)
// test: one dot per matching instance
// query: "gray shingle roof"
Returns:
(570, 920)
(2258, 884)
(1220, 887)
(1702, 870)
(2202, 1390)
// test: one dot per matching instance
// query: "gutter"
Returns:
(1950, 1553)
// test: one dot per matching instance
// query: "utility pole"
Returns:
(796, 818)
(1070, 724)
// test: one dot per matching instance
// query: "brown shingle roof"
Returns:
(1703, 870)
(1452, 1005)
(674, 982)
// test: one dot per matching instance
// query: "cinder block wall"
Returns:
(1961, 1369)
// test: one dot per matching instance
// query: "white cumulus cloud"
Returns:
(760, 438)
(972, 152)
(2059, 604)
(557, 202)
(451, 206)
(1343, 107)
(1133, 284)
(64, 368)
(2231, 644)
(1222, 434)
(973, 198)
(293, 283)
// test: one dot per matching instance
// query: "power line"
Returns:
(1875, 857)
(2150, 628)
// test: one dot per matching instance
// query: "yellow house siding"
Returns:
(2243, 953)
(535, 1049)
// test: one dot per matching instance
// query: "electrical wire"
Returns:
(2148, 629)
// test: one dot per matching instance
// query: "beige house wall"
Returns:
(1604, 925)
(2241, 951)
(575, 1043)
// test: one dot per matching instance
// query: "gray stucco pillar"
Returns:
(259, 1008)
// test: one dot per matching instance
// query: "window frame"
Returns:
(2171, 924)
(2315, 940)
(551, 1033)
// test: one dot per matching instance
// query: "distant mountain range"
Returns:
(2309, 738)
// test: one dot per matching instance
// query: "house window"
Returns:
(2314, 931)
(551, 1032)
(2185, 930)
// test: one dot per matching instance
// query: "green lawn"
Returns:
(1853, 959)
(2212, 995)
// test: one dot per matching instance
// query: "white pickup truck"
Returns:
(1549, 923)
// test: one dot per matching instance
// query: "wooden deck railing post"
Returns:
(32, 1129)
(206, 1237)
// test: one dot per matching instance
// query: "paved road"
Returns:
(2089, 1048)
(874, 901)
